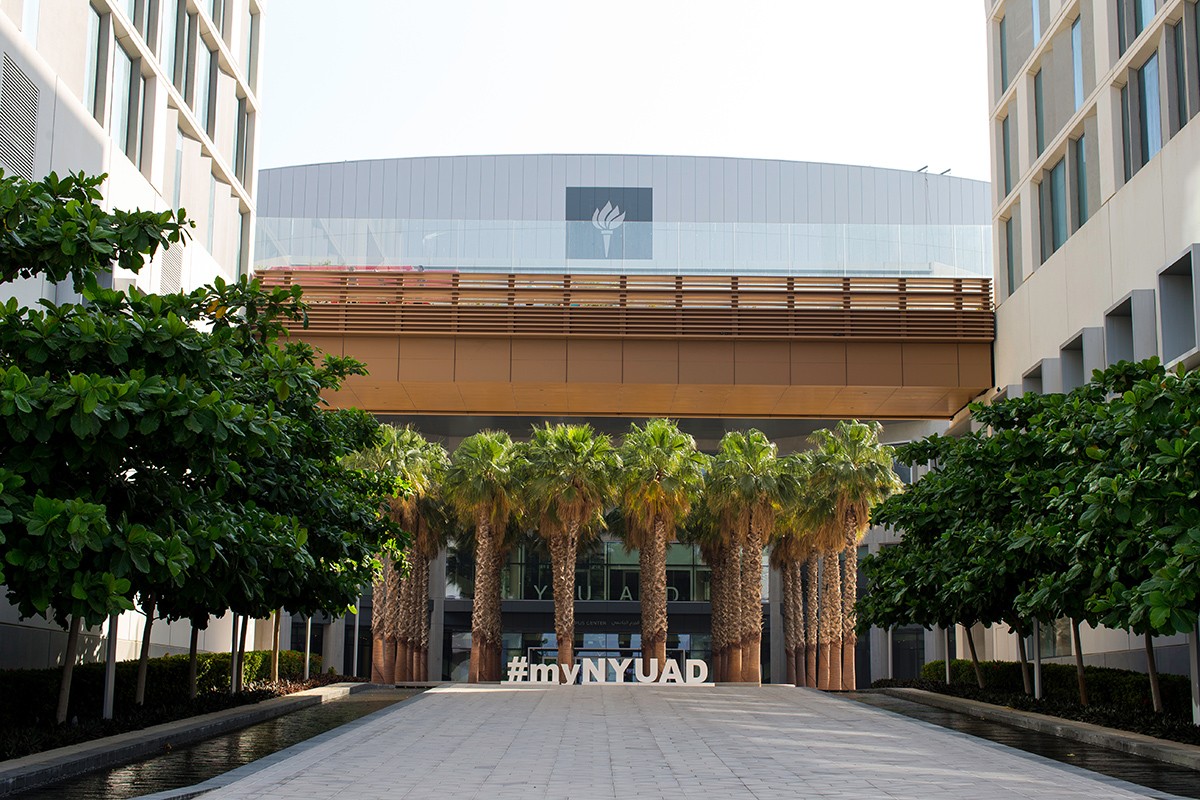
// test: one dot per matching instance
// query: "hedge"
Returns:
(1121, 688)
(30, 696)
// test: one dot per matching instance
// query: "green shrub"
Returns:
(30, 696)
(1121, 688)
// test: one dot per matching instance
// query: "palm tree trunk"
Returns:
(1080, 676)
(64, 687)
(733, 603)
(1152, 671)
(487, 590)
(789, 621)
(974, 656)
(811, 603)
(139, 696)
(652, 561)
(796, 609)
(849, 598)
(752, 615)
(193, 649)
(716, 602)
(562, 574)
(421, 620)
(829, 676)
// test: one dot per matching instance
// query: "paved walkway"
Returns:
(588, 742)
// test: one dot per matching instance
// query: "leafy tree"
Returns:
(661, 476)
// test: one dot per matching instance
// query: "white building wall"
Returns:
(70, 138)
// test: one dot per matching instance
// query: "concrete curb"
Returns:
(1177, 753)
(39, 769)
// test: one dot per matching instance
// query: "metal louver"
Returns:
(18, 120)
(171, 277)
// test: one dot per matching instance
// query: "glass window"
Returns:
(122, 79)
(1077, 60)
(1039, 111)
(178, 189)
(168, 42)
(1036, 13)
(1144, 11)
(1181, 87)
(1081, 182)
(212, 213)
(1126, 133)
(1006, 144)
(239, 141)
(1058, 205)
(185, 77)
(1003, 54)
(1010, 259)
(95, 68)
(30, 14)
(1151, 109)
(201, 105)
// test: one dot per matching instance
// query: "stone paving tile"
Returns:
(715, 743)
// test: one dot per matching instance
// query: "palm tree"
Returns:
(661, 475)
(567, 474)
(747, 487)
(854, 471)
(478, 484)
(792, 549)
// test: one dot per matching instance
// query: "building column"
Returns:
(437, 594)
(333, 646)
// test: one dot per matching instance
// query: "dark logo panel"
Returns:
(609, 222)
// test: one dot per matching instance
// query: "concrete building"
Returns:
(162, 96)
(1096, 209)
(472, 286)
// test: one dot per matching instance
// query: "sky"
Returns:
(886, 83)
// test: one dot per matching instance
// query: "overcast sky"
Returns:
(889, 83)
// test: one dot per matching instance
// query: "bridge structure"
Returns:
(623, 345)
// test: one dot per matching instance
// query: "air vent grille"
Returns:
(18, 120)
(171, 279)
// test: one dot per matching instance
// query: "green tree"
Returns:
(479, 486)
(661, 475)
(567, 477)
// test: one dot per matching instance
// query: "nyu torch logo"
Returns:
(593, 670)
(607, 220)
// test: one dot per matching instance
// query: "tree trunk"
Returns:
(562, 575)
(485, 611)
(421, 669)
(752, 616)
(716, 586)
(193, 649)
(974, 657)
(796, 608)
(849, 598)
(1152, 671)
(275, 646)
(732, 603)
(241, 653)
(829, 676)
(1026, 682)
(811, 589)
(1080, 676)
(789, 620)
(139, 696)
(653, 590)
(64, 687)
(233, 655)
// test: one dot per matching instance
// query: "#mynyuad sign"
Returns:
(595, 670)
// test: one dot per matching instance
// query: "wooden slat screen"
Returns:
(643, 306)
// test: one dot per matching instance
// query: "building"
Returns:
(1096, 209)
(162, 96)
(387, 246)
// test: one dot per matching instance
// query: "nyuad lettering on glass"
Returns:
(609, 670)
(610, 223)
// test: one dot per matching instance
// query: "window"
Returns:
(185, 79)
(97, 64)
(1036, 13)
(240, 142)
(1010, 256)
(1081, 185)
(1053, 195)
(1144, 11)
(1039, 111)
(138, 13)
(1003, 54)
(168, 42)
(202, 103)
(1132, 18)
(1151, 109)
(1006, 144)
(122, 78)
(30, 14)
(1179, 116)
(1077, 60)
(212, 213)
(178, 190)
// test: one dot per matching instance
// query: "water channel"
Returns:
(198, 762)
(1134, 769)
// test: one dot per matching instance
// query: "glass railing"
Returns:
(633, 248)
